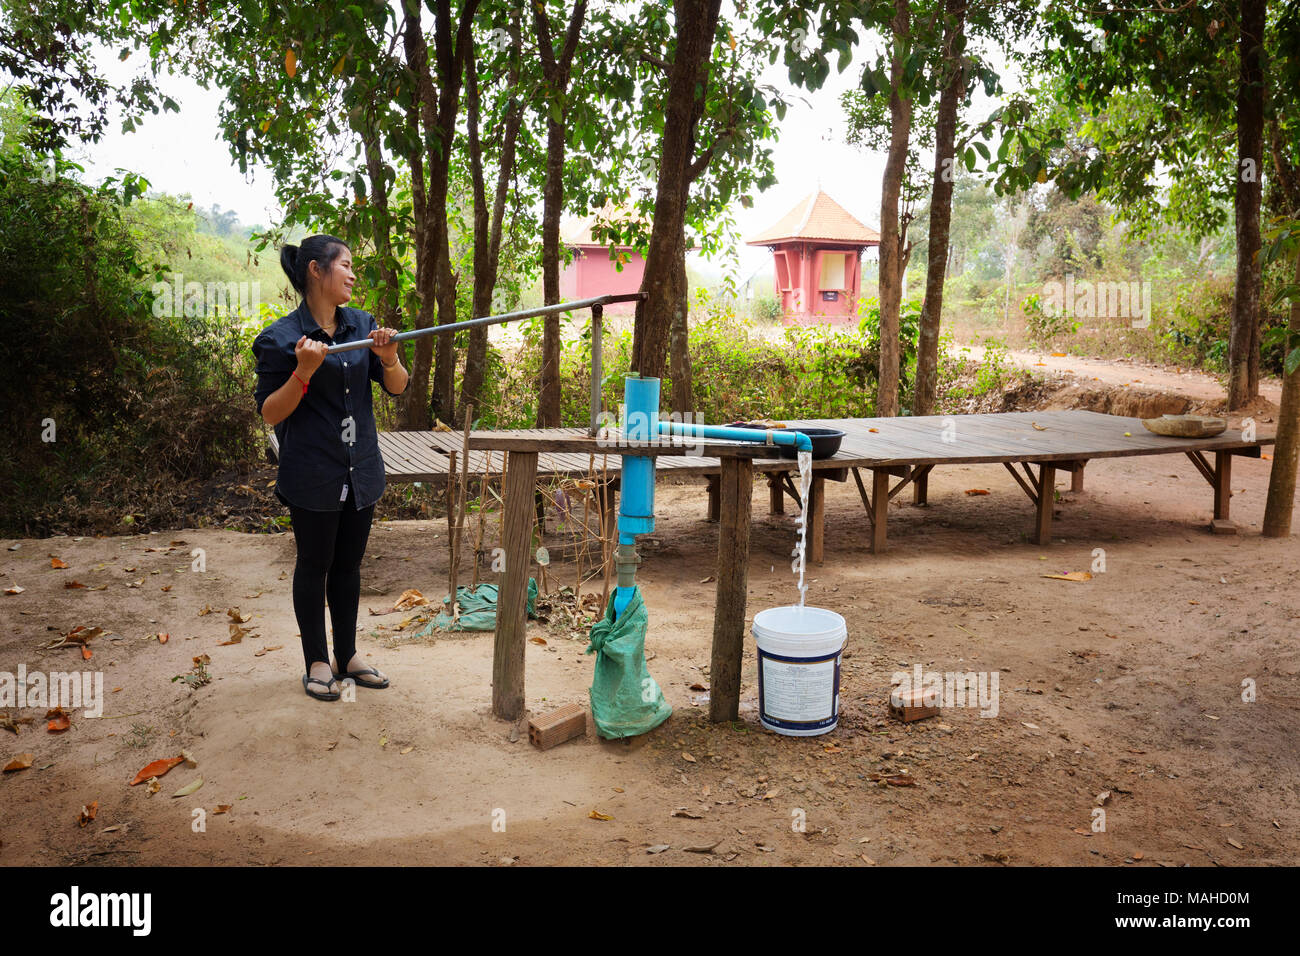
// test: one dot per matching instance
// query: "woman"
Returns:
(331, 472)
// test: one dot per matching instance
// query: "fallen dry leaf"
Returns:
(156, 769)
(73, 584)
(541, 641)
(698, 686)
(11, 723)
(658, 848)
(597, 815)
(977, 491)
(702, 848)
(406, 750)
(1038, 427)
(410, 598)
(222, 808)
(189, 788)
(56, 563)
(1235, 843)
(236, 617)
(164, 638)
(88, 813)
(1071, 576)
(58, 721)
(687, 814)
(154, 786)
(688, 758)
(873, 430)
(267, 650)
(206, 609)
(19, 762)
(16, 589)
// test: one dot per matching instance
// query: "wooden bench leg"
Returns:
(1046, 501)
(1076, 478)
(776, 493)
(713, 481)
(1222, 485)
(736, 489)
(512, 614)
(921, 488)
(879, 508)
(817, 520)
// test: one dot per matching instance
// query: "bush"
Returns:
(110, 408)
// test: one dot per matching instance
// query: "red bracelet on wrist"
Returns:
(304, 384)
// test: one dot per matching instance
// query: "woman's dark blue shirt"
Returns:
(329, 442)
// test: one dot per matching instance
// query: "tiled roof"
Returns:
(817, 217)
(577, 232)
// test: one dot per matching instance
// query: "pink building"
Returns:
(817, 250)
(592, 272)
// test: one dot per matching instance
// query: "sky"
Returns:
(183, 153)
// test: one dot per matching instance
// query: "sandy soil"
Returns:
(1129, 683)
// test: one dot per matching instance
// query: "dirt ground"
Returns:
(1130, 683)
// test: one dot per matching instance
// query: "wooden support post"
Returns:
(817, 519)
(776, 493)
(540, 503)
(879, 508)
(1076, 478)
(512, 611)
(921, 488)
(736, 490)
(1044, 504)
(713, 496)
(1222, 484)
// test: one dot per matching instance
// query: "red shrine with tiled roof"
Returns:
(817, 250)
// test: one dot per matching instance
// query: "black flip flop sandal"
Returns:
(353, 676)
(308, 679)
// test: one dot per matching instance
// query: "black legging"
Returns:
(331, 545)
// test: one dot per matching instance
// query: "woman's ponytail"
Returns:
(289, 263)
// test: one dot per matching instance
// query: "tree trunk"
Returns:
(679, 341)
(487, 228)
(413, 404)
(388, 314)
(927, 359)
(1243, 341)
(1281, 478)
(696, 22)
(452, 42)
(556, 71)
(891, 241)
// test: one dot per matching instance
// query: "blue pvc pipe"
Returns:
(778, 436)
(636, 512)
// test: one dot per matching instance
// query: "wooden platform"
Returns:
(1033, 446)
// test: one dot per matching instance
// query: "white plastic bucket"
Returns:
(799, 652)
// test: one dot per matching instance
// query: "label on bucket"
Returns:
(799, 693)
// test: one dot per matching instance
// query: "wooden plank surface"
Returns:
(1066, 435)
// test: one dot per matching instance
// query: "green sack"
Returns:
(478, 609)
(625, 700)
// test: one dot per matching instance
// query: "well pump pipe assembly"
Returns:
(636, 512)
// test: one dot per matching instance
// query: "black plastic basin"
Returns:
(825, 441)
